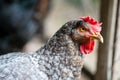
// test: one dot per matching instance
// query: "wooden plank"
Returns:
(105, 52)
(116, 61)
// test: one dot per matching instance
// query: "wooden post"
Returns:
(105, 52)
(116, 61)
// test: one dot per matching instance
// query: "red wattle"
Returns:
(87, 47)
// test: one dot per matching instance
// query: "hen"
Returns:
(60, 59)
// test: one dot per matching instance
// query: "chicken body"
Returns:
(59, 59)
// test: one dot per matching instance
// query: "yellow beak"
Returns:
(97, 36)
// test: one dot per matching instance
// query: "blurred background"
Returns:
(26, 25)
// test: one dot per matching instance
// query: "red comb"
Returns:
(96, 26)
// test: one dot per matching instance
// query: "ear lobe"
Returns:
(74, 35)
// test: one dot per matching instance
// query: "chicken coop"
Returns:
(27, 25)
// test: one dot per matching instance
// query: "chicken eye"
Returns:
(82, 29)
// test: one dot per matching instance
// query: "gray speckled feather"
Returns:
(59, 59)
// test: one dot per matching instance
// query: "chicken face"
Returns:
(86, 30)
